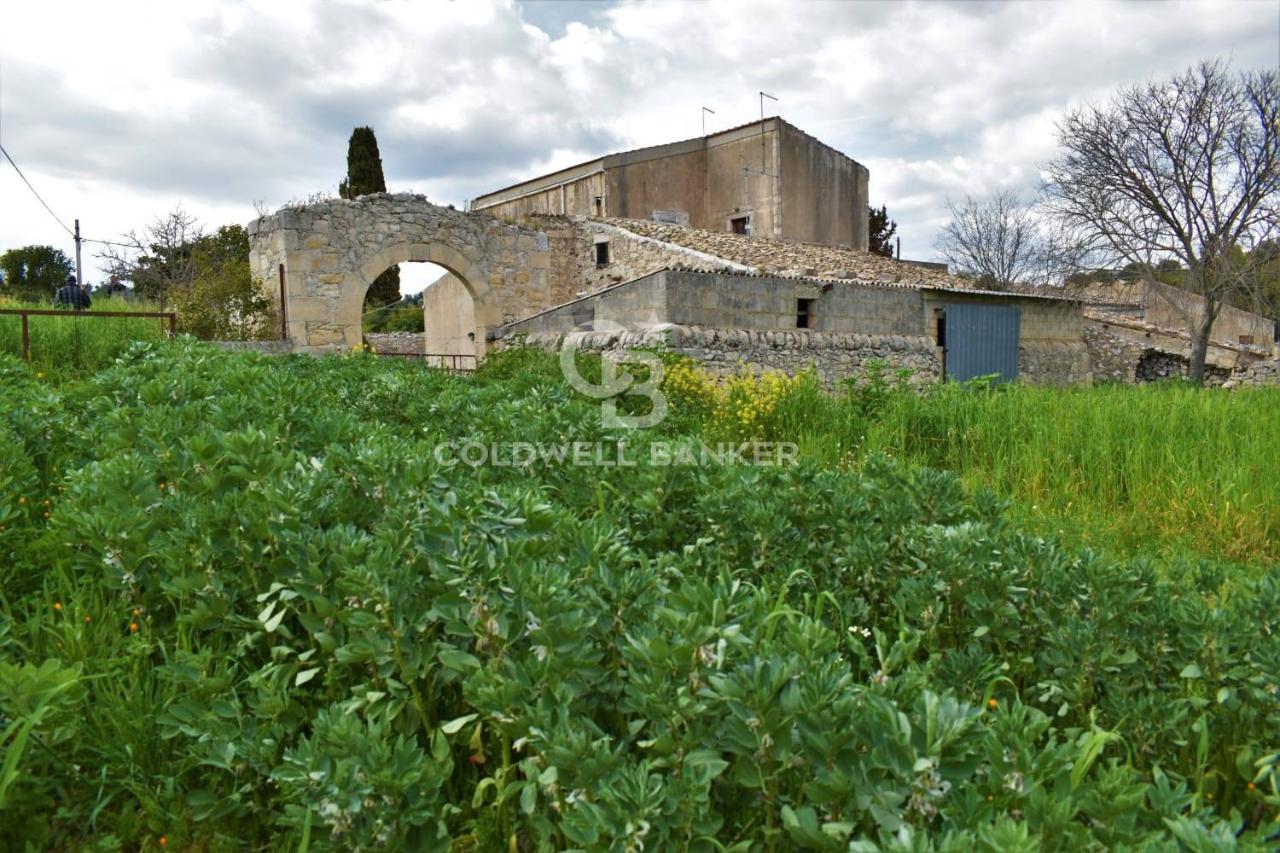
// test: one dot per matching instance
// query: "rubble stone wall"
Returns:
(726, 352)
(1259, 374)
(400, 343)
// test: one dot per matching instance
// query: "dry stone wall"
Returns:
(1259, 374)
(726, 352)
(398, 343)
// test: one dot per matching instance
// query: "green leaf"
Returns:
(305, 676)
(456, 724)
(458, 660)
(1192, 670)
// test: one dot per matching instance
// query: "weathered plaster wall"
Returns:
(332, 250)
(637, 188)
(824, 193)
(1171, 306)
(743, 177)
(448, 317)
(791, 185)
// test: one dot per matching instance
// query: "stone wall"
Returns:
(268, 347)
(1259, 374)
(1115, 357)
(396, 342)
(1112, 358)
(1046, 362)
(333, 249)
(726, 352)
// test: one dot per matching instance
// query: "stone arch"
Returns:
(320, 259)
(356, 283)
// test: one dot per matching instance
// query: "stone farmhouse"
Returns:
(743, 248)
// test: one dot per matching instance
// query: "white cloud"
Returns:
(119, 110)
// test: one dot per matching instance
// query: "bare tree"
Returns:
(1002, 244)
(158, 257)
(1185, 169)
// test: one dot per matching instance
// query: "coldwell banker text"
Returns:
(521, 454)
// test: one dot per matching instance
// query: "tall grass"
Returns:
(1164, 463)
(1163, 470)
(76, 344)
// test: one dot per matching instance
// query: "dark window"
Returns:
(1246, 339)
(602, 254)
(804, 313)
(740, 225)
(942, 331)
(599, 205)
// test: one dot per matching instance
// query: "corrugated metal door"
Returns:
(982, 340)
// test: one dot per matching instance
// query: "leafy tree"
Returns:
(1186, 169)
(364, 176)
(33, 273)
(882, 230)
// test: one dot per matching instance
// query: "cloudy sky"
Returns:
(119, 111)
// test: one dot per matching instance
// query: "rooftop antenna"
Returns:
(764, 95)
(706, 110)
(763, 169)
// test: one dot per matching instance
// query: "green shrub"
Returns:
(289, 624)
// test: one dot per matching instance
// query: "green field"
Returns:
(78, 343)
(246, 605)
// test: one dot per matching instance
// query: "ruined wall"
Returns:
(824, 193)
(1259, 374)
(1171, 307)
(332, 250)
(1112, 358)
(1122, 355)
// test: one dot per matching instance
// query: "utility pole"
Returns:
(79, 269)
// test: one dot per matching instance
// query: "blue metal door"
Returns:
(982, 340)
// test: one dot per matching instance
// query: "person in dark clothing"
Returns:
(72, 295)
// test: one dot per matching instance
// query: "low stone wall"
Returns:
(1156, 366)
(269, 347)
(1259, 374)
(397, 342)
(725, 352)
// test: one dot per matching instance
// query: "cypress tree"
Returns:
(881, 229)
(364, 176)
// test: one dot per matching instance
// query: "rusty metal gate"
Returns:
(982, 340)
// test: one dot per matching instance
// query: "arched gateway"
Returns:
(323, 257)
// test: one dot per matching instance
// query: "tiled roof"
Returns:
(793, 259)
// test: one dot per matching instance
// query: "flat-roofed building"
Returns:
(766, 178)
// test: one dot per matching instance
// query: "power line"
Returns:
(36, 194)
